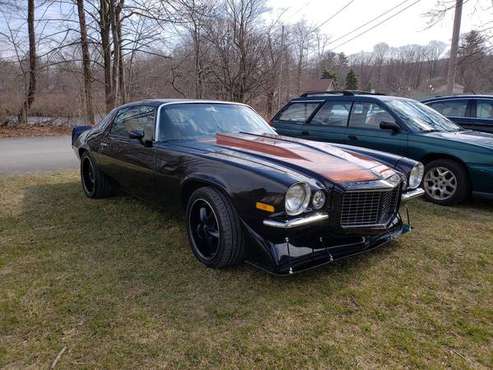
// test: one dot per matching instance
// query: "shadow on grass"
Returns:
(146, 233)
(478, 204)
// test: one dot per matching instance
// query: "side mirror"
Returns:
(136, 134)
(394, 127)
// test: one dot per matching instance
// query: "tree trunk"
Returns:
(31, 90)
(197, 63)
(116, 43)
(121, 72)
(104, 25)
(86, 62)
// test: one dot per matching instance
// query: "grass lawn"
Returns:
(114, 283)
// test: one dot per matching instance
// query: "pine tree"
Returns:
(351, 80)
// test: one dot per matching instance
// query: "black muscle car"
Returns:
(280, 203)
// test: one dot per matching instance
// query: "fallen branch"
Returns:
(57, 358)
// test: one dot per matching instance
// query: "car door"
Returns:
(291, 119)
(459, 111)
(329, 123)
(129, 161)
(171, 157)
(364, 129)
(483, 115)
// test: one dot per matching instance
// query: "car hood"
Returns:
(320, 159)
(478, 138)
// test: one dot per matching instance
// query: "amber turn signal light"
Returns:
(264, 207)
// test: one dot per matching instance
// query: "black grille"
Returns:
(361, 208)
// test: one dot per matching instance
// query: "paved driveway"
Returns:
(18, 155)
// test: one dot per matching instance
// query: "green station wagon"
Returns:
(458, 162)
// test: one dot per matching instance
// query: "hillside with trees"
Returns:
(78, 59)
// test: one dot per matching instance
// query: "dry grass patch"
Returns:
(32, 130)
(114, 281)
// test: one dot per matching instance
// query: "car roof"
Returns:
(459, 96)
(158, 102)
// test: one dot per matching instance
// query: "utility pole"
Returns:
(452, 61)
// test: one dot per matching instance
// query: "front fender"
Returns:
(191, 182)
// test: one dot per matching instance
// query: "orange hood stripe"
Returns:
(336, 169)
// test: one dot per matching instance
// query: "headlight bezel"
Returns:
(303, 204)
(415, 176)
(320, 204)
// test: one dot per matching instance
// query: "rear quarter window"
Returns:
(484, 109)
(298, 112)
(451, 108)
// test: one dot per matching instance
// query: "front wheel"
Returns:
(445, 182)
(214, 229)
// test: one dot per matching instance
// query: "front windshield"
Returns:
(421, 117)
(193, 120)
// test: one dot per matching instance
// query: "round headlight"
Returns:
(416, 176)
(318, 200)
(297, 198)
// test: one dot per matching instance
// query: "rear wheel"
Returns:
(94, 183)
(445, 182)
(214, 229)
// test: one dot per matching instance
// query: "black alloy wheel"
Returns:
(87, 175)
(204, 227)
(214, 229)
(94, 183)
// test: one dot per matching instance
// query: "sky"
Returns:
(409, 27)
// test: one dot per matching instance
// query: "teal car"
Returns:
(458, 162)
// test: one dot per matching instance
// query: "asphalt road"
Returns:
(21, 155)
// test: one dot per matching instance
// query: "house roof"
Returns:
(318, 84)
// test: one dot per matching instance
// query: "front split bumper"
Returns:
(310, 241)
(317, 246)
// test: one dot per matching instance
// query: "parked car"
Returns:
(279, 203)
(457, 162)
(473, 112)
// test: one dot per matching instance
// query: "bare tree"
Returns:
(302, 40)
(86, 61)
(31, 89)
(104, 29)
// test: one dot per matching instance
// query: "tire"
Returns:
(214, 229)
(94, 183)
(440, 178)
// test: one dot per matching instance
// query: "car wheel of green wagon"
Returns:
(445, 182)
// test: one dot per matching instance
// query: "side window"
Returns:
(368, 115)
(452, 108)
(332, 114)
(133, 118)
(104, 122)
(484, 109)
(298, 112)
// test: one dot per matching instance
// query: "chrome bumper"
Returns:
(412, 194)
(297, 222)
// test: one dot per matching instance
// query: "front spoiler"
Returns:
(296, 255)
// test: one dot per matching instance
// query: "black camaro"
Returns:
(280, 203)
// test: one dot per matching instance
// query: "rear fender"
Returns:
(77, 131)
